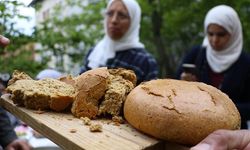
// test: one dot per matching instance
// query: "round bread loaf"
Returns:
(180, 111)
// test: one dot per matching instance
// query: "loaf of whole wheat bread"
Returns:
(180, 111)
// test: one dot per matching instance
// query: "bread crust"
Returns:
(102, 91)
(90, 87)
(42, 94)
(18, 75)
(180, 111)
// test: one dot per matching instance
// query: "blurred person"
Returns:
(49, 73)
(4, 78)
(220, 60)
(121, 46)
(8, 137)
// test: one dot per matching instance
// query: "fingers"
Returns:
(4, 41)
(224, 140)
(19, 144)
(240, 139)
(188, 77)
(25, 146)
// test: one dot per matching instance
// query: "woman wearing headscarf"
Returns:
(220, 60)
(121, 46)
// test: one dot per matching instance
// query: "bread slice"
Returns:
(90, 88)
(42, 94)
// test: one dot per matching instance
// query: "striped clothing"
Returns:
(136, 59)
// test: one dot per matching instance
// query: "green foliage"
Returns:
(168, 28)
(64, 36)
(16, 55)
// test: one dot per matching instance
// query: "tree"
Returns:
(168, 28)
(16, 55)
(178, 25)
(71, 35)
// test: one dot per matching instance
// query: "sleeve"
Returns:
(144, 65)
(152, 72)
(7, 133)
(244, 106)
(189, 57)
(244, 109)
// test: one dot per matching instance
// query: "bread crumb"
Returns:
(95, 128)
(109, 121)
(86, 120)
(116, 124)
(72, 130)
(39, 112)
(118, 120)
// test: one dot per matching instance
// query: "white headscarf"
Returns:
(226, 17)
(107, 47)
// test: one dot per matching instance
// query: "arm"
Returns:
(152, 69)
(8, 138)
(243, 103)
(189, 58)
(7, 134)
(137, 59)
(237, 84)
(144, 65)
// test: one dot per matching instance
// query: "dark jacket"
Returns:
(236, 83)
(7, 133)
(136, 59)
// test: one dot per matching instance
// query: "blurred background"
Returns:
(57, 33)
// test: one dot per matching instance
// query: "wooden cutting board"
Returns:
(58, 128)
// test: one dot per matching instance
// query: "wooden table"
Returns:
(58, 128)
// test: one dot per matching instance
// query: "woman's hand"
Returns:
(225, 140)
(188, 77)
(18, 145)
